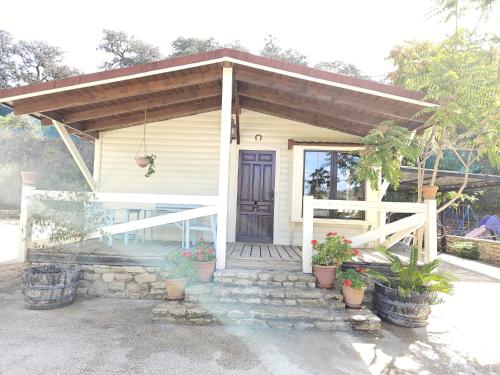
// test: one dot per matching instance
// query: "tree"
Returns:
(126, 50)
(38, 61)
(455, 9)
(7, 64)
(340, 67)
(188, 46)
(272, 50)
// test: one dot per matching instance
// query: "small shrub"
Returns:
(467, 250)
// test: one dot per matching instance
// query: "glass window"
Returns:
(329, 175)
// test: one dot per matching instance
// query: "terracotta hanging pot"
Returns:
(29, 178)
(204, 270)
(142, 161)
(325, 276)
(175, 288)
(353, 297)
(429, 192)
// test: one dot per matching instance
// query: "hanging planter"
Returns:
(142, 159)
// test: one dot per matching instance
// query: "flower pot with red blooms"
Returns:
(177, 271)
(328, 256)
(204, 262)
(353, 287)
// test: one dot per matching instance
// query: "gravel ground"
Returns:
(111, 336)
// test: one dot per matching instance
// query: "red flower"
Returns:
(186, 254)
(210, 251)
(199, 256)
(346, 241)
(356, 252)
(347, 282)
(359, 269)
(331, 234)
(314, 242)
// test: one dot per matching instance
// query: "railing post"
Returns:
(430, 239)
(225, 142)
(382, 218)
(307, 234)
(25, 224)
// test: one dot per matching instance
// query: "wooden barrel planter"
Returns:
(50, 286)
(391, 306)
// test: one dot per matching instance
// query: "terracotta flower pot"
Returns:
(204, 270)
(175, 288)
(325, 276)
(430, 192)
(142, 161)
(29, 178)
(353, 297)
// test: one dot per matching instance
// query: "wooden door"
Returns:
(254, 220)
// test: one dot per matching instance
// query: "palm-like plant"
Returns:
(411, 278)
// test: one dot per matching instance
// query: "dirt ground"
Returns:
(112, 336)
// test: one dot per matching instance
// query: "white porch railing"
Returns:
(208, 206)
(424, 215)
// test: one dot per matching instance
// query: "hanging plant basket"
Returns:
(142, 161)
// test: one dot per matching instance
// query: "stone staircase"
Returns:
(276, 299)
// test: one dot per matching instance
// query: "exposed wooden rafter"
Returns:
(293, 142)
(112, 91)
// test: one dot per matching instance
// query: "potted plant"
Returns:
(204, 262)
(329, 256)
(178, 270)
(405, 298)
(147, 161)
(353, 287)
(29, 177)
(429, 191)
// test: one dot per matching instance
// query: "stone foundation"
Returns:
(489, 250)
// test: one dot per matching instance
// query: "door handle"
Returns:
(255, 205)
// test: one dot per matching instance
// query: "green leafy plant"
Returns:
(204, 253)
(412, 278)
(467, 250)
(151, 166)
(179, 264)
(351, 278)
(334, 251)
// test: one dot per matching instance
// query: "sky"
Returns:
(361, 32)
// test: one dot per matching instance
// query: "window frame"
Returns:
(297, 187)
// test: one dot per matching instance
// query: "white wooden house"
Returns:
(237, 137)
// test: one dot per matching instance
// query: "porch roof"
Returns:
(188, 85)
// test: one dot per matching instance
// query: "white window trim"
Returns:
(297, 186)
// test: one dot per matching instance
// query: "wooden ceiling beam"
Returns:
(112, 91)
(299, 115)
(47, 120)
(308, 104)
(394, 110)
(156, 114)
(137, 105)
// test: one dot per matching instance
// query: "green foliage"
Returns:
(68, 218)
(384, 148)
(179, 264)
(151, 166)
(272, 50)
(355, 282)
(334, 251)
(412, 278)
(340, 67)
(467, 250)
(125, 50)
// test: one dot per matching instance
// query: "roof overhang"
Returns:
(188, 85)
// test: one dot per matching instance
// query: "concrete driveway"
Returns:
(110, 336)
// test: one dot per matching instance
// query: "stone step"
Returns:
(255, 295)
(264, 278)
(264, 264)
(266, 316)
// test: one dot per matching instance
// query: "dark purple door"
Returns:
(254, 221)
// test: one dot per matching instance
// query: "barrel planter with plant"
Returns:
(405, 298)
(178, 270)
(329, 257)
(50, 286)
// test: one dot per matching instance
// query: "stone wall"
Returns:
(121, 282)
(489, 250)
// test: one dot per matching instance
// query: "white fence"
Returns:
(203, 206)
(424, 215)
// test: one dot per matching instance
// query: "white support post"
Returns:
(307, 234)
(430, 239)
(225, 140)
(382, 218)
(61, 129)
(25, 227)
